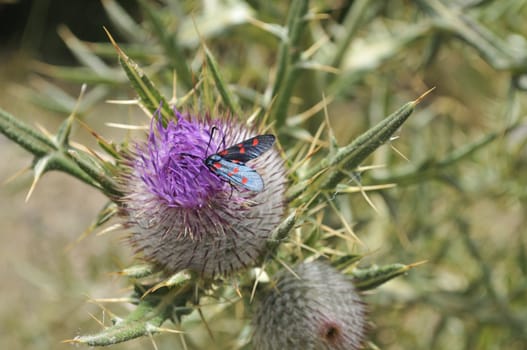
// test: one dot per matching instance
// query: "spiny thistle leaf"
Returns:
(109, 147)
(223, 89)
(372, 277)
(150, 313)
(57, 160)
(346, 262)
(327, 174)
(138, 271)
(96, 170)
(150, 96)
(27, 137)
(282, 231)
(51, 153)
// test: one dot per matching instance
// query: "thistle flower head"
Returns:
(182, 214)
(318, 308)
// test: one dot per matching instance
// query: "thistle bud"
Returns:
(186, 214)
(318, 309)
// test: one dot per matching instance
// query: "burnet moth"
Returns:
(229, 164)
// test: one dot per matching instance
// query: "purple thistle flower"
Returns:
(317, 309)
(182, 215)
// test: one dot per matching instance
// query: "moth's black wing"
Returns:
(248, 149)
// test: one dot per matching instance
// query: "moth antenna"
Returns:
(210, 139)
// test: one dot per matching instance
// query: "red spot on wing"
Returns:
(234, 171)
(244, 180)
(223, 153)
(255, 141)
(242, 150)
(217, 165)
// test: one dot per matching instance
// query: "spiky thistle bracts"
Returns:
(317, 308)
(181, 214)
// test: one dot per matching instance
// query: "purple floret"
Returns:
(173, 163)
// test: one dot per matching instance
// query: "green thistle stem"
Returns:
(288, 57)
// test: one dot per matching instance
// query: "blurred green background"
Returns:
(464, 215)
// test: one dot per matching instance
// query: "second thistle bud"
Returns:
(318, 309)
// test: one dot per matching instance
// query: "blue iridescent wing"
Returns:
(248, 149)
(236, 173)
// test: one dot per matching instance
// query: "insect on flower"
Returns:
(229, 164)
(176, 200)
